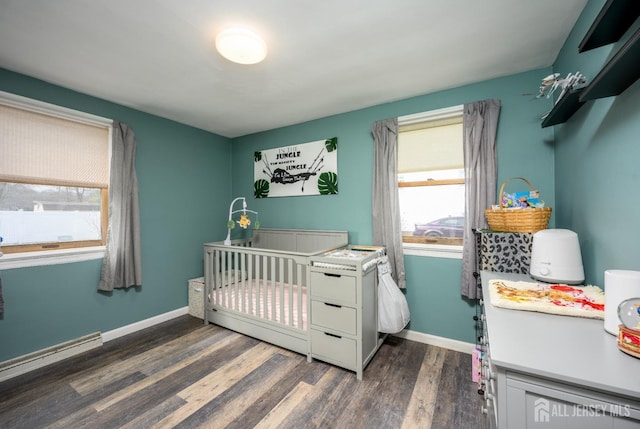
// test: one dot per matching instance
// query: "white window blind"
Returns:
(37, 147)
(431, 146)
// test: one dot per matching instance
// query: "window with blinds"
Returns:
(431, 177)
(54, 176)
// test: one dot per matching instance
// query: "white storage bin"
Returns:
(196, 297)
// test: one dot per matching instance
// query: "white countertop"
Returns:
(575, 350)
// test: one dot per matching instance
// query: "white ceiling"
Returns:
(325, 56)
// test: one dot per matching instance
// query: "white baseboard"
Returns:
(434, 340)
(146, 323)
(41, 358)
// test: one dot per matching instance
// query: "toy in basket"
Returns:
(518, 212)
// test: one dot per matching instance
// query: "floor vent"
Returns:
(41, 358)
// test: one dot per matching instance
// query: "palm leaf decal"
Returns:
(257, 156)
(328, 183)
(261, 188)
(331, 144)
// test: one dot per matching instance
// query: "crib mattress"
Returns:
(267, 300)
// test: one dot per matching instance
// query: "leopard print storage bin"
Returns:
(505, 252)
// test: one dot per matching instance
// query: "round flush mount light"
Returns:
(241, 45)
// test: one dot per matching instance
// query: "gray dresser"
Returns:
(548, 371)
(343, 308)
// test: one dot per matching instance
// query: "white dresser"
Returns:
(343, 308)
(548, 371)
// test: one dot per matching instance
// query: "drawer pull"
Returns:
(332, 275)
(332, 305)
(332, 335)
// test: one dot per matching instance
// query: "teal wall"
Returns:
(524, 149)
(188, 177)
(596, 153)
(183, 176)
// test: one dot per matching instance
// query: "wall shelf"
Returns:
(614, 19)
(564, 108)
(612, 22)
(619, 73)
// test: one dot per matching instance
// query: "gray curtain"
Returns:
(386, 205)
(122, 264)
(480, 123)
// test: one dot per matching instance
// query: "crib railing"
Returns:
(257, 283)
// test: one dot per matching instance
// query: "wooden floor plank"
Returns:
(304, 372)
(234, 402)
(163, 390)
(185, 374)
(466, 392)
(317, 408)
(455, 385)
(46, 411)
(153, 415)
(280, 412)
(423, 398)
(155, 377)
(139, 363)
(216, 383)
(388, 384)
(396, 387)
(233, 371)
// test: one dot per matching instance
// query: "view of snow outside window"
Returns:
(42, 213)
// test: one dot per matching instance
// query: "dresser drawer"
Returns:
(333, 287)
(334, 349)
(334, 317)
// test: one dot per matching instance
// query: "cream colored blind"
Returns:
(45, 149)
(428, 149)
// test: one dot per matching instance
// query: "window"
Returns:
(431, 179)
(54, 175)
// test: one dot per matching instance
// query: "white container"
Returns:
(196, 297)
(556, 257)
(619, 285)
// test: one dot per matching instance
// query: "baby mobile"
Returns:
(244, 220)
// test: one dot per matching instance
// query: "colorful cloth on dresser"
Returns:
(583, 301)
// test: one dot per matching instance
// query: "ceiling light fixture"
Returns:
(241, 46)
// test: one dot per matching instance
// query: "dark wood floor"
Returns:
(184, 374)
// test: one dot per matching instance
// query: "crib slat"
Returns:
(228, 284)
(225, 279)
(274, 284)
(251, 283)
(290, 284)
(216, 271)
(300, 289)
(243, 283)
(258, 285)
(280, 286)
(264, 285)
(233, 281)
(221, 277)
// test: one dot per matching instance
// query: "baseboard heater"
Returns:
(41, 358)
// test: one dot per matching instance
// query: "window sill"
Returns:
(50, 257)
(433, 250)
